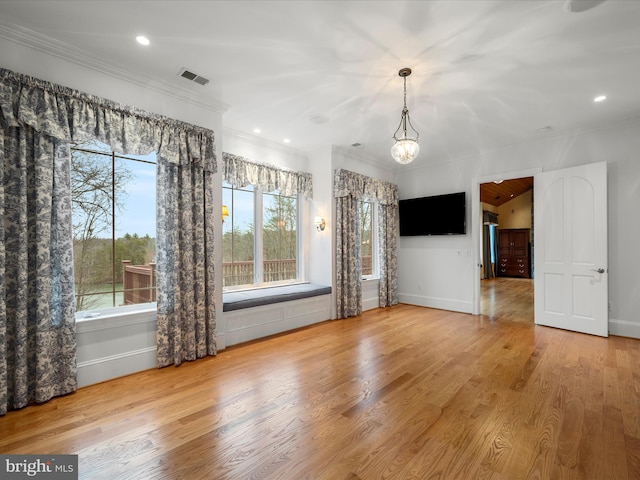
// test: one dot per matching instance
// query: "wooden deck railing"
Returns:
(241, 273)
(138, 283)
(367, 265)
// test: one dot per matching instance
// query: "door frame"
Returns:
(476, 224)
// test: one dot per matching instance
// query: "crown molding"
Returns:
(390, 166)
(261, 142)
(47, 45)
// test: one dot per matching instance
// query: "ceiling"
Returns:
(485, 73)
(498, 193)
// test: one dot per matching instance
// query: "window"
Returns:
(238, 236)
(367, 247)
(114, 227)
(259, 237)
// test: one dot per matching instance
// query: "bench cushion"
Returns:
(265, 296)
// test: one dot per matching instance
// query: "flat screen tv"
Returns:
(436, 215)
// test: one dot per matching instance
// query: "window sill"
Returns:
(115, 312)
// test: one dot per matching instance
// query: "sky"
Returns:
(137, 206)
(241, 208)
(138, 212)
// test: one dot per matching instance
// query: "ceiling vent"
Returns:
(184, 73)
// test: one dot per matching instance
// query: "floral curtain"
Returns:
(38, 121)
(37, 308)
(348, 259)
(387, 241)
(348, 188)
(186, 324)
(240, 172)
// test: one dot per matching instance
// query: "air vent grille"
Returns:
(194, 77)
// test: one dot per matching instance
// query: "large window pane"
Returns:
(279, 237)
(238, 236)
(135, 227)
(113, 199)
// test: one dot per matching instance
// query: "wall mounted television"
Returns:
(435, 215)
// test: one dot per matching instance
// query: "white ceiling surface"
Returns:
(485, 73)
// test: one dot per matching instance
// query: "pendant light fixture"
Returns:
(406, 149)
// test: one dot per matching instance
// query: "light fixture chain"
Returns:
(405, 92)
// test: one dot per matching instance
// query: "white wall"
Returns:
(448, 277)
(319, 248)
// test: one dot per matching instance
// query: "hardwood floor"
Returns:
(397, 393)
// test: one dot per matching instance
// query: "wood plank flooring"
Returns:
(397, 393)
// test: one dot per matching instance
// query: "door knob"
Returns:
(599, 270)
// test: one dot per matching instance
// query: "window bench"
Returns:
(266, 296)
(254, 314)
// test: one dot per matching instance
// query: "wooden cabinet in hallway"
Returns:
(513, 252)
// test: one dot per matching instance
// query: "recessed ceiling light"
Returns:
(600, 98)
(142, 40)
(286, 140)
(257, 130)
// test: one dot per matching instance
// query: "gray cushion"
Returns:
(265, 296)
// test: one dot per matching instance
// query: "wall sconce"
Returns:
(225, 212)
(319, 223)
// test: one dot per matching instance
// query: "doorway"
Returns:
(504, 246)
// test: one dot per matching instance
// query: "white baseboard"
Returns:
(106, 368)
(370, 294)
(221, 341)
(370, 303)
(439, 303)
(624, 328)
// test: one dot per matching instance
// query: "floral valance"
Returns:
(240, 172)
(70, 115)
(346, 183)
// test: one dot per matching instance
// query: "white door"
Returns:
(570, 249)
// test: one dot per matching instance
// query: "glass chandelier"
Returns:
(406, 149)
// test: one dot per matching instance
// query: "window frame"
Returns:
(258, 240)
(114, 310)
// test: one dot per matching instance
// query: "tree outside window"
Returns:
(279, 238)
(366, 238)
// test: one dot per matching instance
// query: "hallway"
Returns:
(504, 298)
